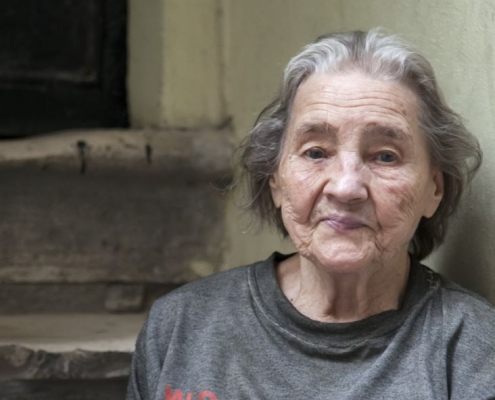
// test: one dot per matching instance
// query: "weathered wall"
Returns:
(236, 50)
(175, 63)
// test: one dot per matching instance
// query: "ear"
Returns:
(436, 196)
(276, 189)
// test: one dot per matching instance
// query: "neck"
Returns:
(326, 296)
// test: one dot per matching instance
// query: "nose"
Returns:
(347, 179)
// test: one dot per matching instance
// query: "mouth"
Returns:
(343, 223)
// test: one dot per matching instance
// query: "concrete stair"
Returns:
(94, 227)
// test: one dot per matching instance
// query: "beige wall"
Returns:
(250, 41)
(175, 63)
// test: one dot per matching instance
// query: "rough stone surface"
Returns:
(66, 333)
(21, 363)
(101, 222)
(69, 389)
(120, 298)
(197, 155)
(67, 346)
(113, 206)
(66, 227)
(49, 298)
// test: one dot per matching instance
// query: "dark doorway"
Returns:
(62, 65)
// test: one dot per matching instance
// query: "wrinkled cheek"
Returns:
(293, 211)
(298, 200)
(398, 214)
(300, 189)
(296, 215)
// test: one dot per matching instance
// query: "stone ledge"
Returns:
(67, 346)
(64, 389)
(199, 154)
(83, 229)
(95, 298)
(131, 206)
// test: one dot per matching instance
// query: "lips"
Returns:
(343, 223)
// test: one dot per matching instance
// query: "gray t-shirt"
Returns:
(235, 335)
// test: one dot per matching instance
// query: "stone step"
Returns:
(43, 298)
(113, 206)
(94, 225)
(67, 389)
(67, 346)
(193, 154)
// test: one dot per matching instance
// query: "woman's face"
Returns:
(354, 177)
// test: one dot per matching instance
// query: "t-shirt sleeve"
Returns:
(473, 369)
(470, 340)
(137, 388)
(148, 357)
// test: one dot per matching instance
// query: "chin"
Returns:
(343, 260)
(349, 253)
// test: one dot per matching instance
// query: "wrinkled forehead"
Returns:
(336, 100)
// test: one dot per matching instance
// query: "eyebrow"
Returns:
(388, 132)
(310, 128)
(372, 131)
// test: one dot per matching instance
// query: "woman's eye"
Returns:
(387, 157)
(314, 154)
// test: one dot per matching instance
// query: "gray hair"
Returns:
(452, 148)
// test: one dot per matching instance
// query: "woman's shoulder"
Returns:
(211, 294)
(468, 320)
(468, 326)
(210, 288)
(461, 304)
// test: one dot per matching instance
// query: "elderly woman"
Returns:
(360, 162)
